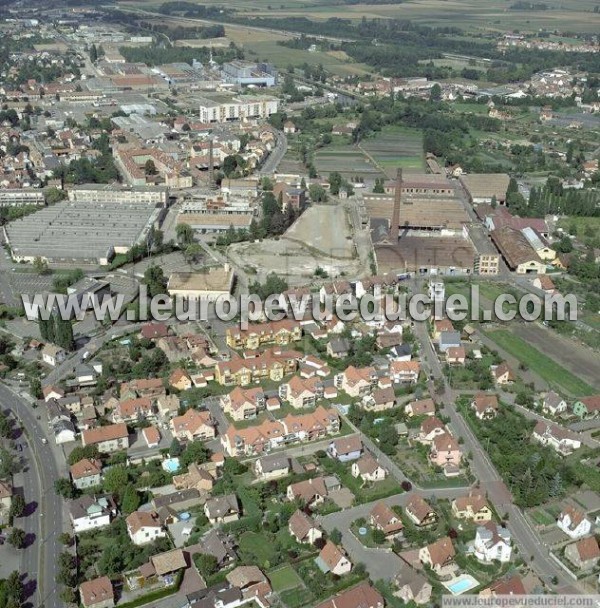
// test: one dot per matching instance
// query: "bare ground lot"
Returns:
(574, 357)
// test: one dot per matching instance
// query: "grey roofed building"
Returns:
(401, 350)
(275, 462)
(217, 544)
(449, 339)
(183, 498)
(221, 506)
(221, 594)
(339, 347)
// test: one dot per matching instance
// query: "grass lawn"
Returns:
(541, 517)
(541, 364)
(258, 547)
(284, 578)
(294, 598)
(582, 224)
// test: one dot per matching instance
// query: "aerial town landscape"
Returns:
(319, 150)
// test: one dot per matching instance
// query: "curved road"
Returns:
(39, 560)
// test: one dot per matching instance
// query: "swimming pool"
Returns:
(461, 584)
(171, 465)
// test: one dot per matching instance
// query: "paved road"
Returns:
(39, 561)
(528, 541)
(275, 156)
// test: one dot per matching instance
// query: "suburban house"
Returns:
(303, 528)
(412, 586)
(272, 467)
(222, 509)
(511, 585)
(448, 340)
(333, 559)
(400, 352)
(273, 365)
(419, 511)
(141, 387)
(405, 372)
(379, 400)
(144, 527)
(583, 554)
(180, 380)
(338, 348)
(368, 469)
(97, 593)
(53, 355)
(255, 335)
(439, 326)
(473, 507)
(553, 404)
(421, 407)
(346, 448)
(356, 381)
(251, 581)
(133, 410)
(502, 374)
(445, 452)
(561, 440)
(301, 392)
(431, 428)
(361, 596)
(574, 523)
(492, 543)
(485, 406)
(52, 392)
(587, 407)
(197, 478)
(456, 355)
(193, 425)
(439, 556)
(243, 404)
(383, 518)
(88, 512)
(153, 331)
(168, 406)
(86, 473)
(151, 436)
(310, 492)
(107, 439)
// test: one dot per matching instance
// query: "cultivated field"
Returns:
(396, 148)
(346, 160)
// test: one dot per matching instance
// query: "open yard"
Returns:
(395, 148)
(540, 363)
(346, 160)
(284, 578)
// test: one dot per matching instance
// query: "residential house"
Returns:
(368, 469)
(219, 545)
(53, 355)
(144, 527)
(574, 523)
(311, 492)
(243, 404)
(338, 348)
(153, 331)
(473, 507)
(52, 392)
(561, 440)
(142, 387)
(502, 374)
(412, 586)
(97, 593)
(168, 406)
(383, 518)
(301, 392)
(63, 431)
(356, 381)
(361, 596)
(197, 478)
(180, 380)
(400, 352)
(439, 555)
(553, 404)
(333, 559)
(512, 585)
(193, 425)
(448, 339)
(421, 407)
(107, 439)
(445, 452)
(166, 565)
(492, 543)
(405, 372)
(89, 512)
(222, 509)
(439, 326)
(346, 448)
(272, 467)
(584, 554)
(379, 400)
(273, 365)
(485, 406)
(419, 511)
(251, 581)
(456, 355)
(133, 410)
(151, 436)
(281, 332)
(86, 473)
(587, 407)
(303, 528)
(431, 428)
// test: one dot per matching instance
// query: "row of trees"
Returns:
(57, 330)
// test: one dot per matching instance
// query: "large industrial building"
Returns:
(16, 197)
(249, 73)
(486, 187)
(214, 282)
(213, 216)
(81, 233)
(111, 193)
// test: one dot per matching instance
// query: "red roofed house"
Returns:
(180, 380)
(485, 406)
(151, 436)
(107, 439)
(361, 596)
(439, 556)
(584, 554)
(573, 522)
(502, 374)
(86, 473)
(384, 519)
(133, 410)
(144, 527)
(421, 407)
(445, 452)
(333, 559)
(193, 425)
(303, 528)
(152, 331)
(97, 593)
(456, 355)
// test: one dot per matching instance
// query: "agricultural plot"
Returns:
(396, 148)
(348, 161)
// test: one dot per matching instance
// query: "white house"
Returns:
(144, 527)
(492, 543)
(89, 513)
(53, 355)
(553, 404)
(561, 440)
(573, 522)
(368, 469)
(333, 559)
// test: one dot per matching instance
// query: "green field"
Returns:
(586, 227)
(539, 363)
(395, 148)
(346, 160)
(284, 578)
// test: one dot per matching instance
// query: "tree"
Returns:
(63, 487)
(111, 561)
(65, 539)
(67, 595)
(317, 193)
(16, 538)
(436, 93)
(335, 536)
(388, 438)
(5, 426)
(17, 507)
(93, 53)
(193, 252)
(185, 234)
(194, 452)
(378, 187)
(115, 479)
(40, 265)
(378, 536)
(35, 388)
(175, 448)
(335, 183)
(206, 564)
(130, 501)
(150, 167)
(8, 463)
(79, 453)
